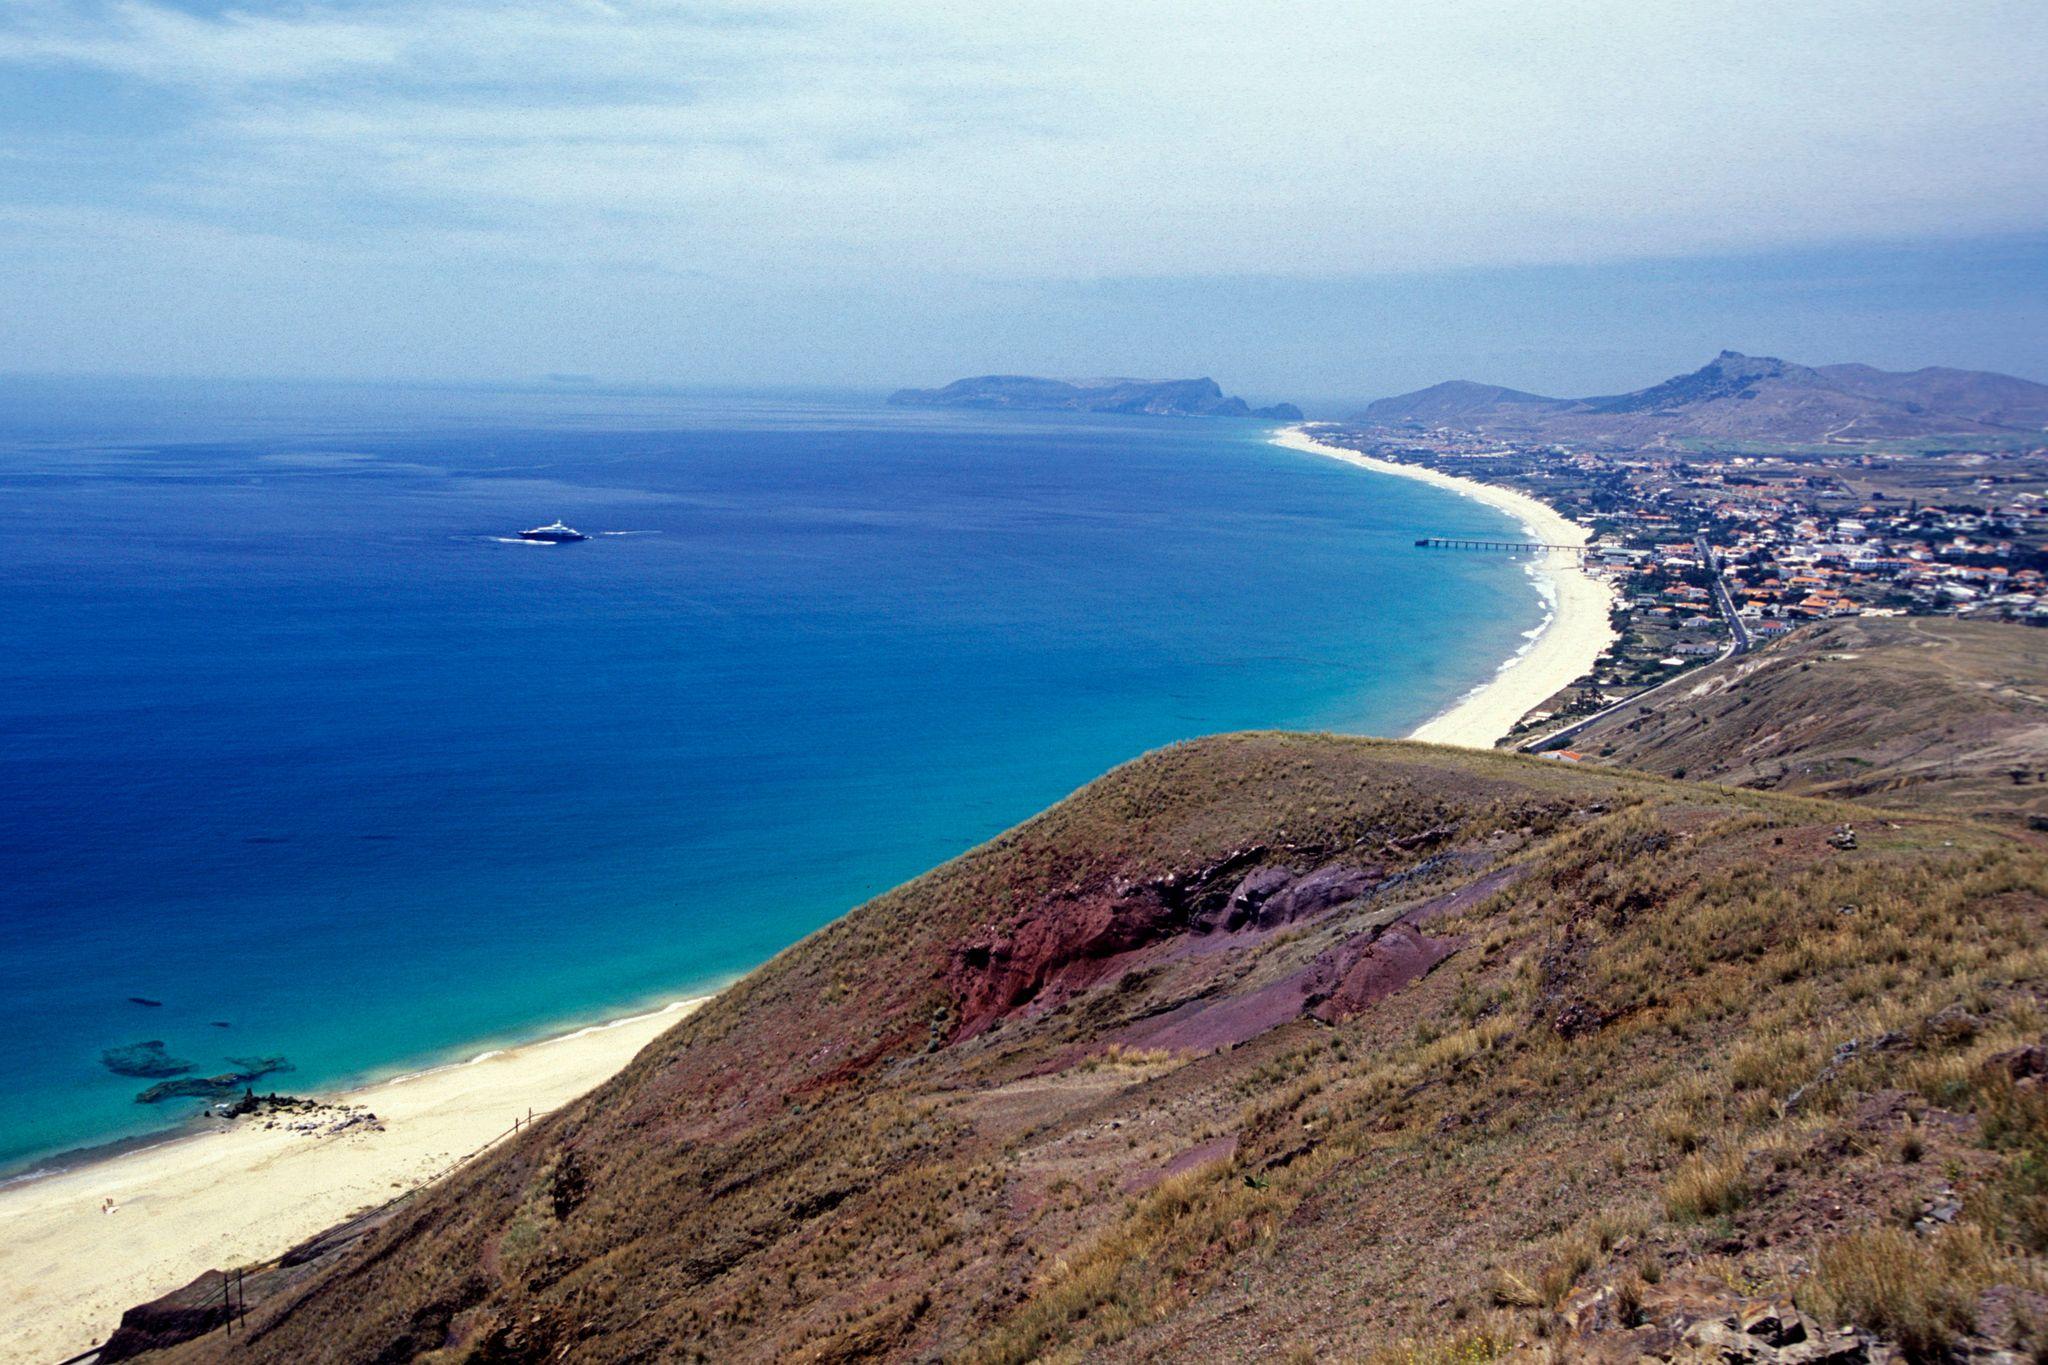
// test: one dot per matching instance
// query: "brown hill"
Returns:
(1996, 398)
(1301, 1047)
(1929, 714)
(1460, 402)
(1740, 397)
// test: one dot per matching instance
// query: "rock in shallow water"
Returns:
(148, 1060)
(222, 1087)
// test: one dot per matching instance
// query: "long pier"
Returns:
(1512, 547)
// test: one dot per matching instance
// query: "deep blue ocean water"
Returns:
(290, 740)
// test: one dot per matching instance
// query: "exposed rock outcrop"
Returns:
(181, 1315)
(1359, 974)
(1614, 1324)
(1069, 944)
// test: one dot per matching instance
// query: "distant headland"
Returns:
(1152, 397)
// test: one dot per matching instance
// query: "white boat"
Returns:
(557, 533)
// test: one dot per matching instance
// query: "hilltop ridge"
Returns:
(1456, 400)
(1740, 396)
(1922, 713)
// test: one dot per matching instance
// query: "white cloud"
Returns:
(1075, 140)
(156, 43)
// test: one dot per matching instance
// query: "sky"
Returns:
(1323, 201)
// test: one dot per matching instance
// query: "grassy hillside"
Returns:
(1270, 1046)
(1927, 713)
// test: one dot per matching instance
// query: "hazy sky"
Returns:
(1303, 199)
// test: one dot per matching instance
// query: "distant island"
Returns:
(1151, 397)
(1738, 397)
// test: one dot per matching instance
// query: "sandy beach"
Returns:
(247, 1193)
(1580, 604)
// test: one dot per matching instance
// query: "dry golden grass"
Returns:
(1114, 1285)
(1918, 927)
(1707, 1187)
(1919, 1291)
(1489, 1341)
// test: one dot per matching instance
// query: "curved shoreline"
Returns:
(1566, 644)
(245, 1193)
(202, 1200)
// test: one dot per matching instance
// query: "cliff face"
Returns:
(1152, 397)
(1269, 1042)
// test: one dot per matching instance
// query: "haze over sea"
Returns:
(292, 739)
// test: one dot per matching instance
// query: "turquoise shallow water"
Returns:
(290, 740)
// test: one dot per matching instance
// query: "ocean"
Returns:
(297, 745)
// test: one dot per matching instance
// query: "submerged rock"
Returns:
(222, 1087)
(260, 1066)
(193, 1088)
(147, 1060)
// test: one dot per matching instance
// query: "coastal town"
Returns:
(1715, 547)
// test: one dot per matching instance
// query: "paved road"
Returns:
(1723, 600)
